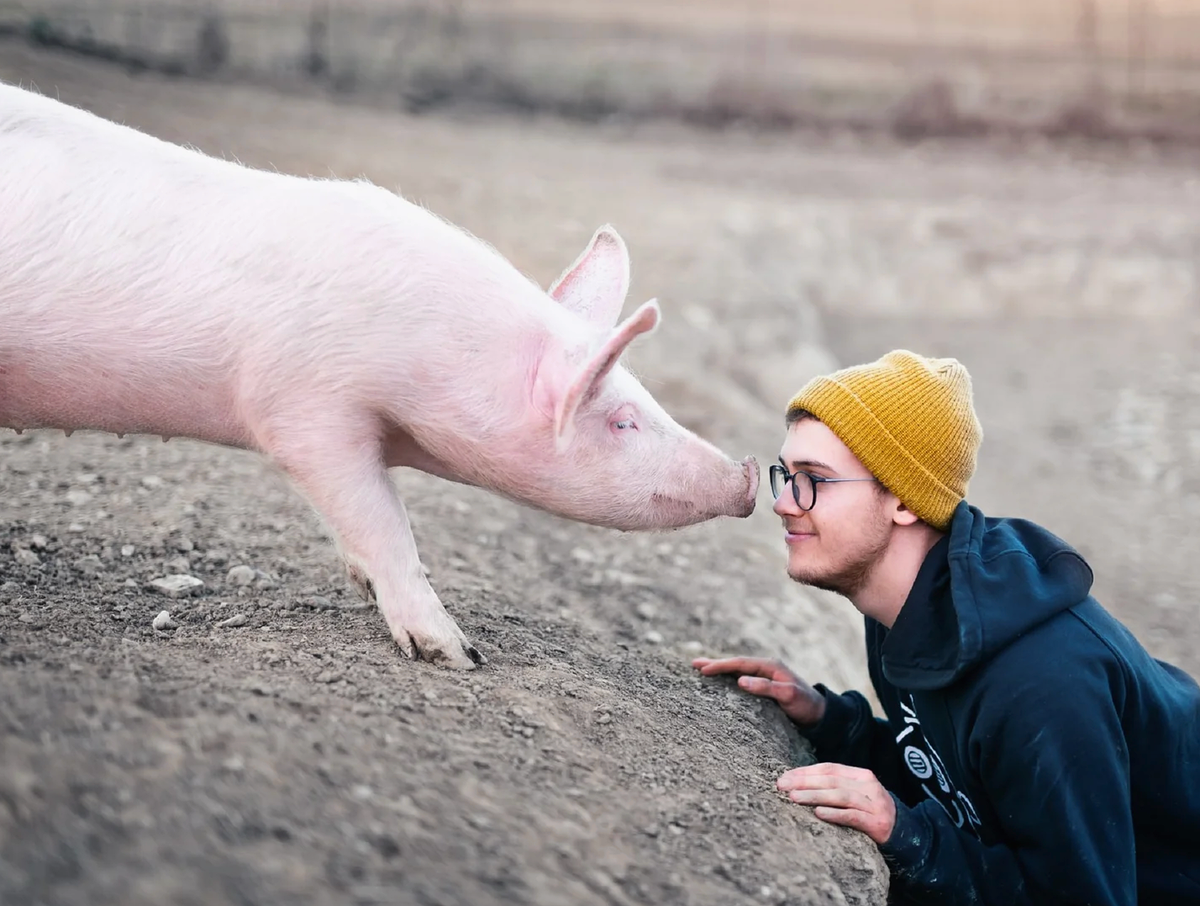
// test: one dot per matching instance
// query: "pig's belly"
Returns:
(87, 395)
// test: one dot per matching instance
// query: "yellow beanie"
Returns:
(910, 420)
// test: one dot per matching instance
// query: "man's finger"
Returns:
(781, 692)
(751, 665)
(837, 798)
(825, 775)
(846, 817)
(874, 826)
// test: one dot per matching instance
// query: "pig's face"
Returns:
(610, 455)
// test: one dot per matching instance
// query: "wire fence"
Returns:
(920, 65)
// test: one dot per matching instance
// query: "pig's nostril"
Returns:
(750, 466)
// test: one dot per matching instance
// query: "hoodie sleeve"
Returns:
(849, 734)
(1053, 761)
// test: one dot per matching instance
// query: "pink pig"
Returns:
(336, 328)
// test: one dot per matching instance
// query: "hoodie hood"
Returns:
(987, 582)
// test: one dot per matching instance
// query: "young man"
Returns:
(1033, 752)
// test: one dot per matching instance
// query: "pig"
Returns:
(337, 329)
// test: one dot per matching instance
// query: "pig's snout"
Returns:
(750, 467)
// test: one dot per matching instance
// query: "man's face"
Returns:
(837, 544)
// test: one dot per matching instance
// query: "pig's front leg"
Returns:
(339, 465)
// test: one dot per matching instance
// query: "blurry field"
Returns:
(920, 67)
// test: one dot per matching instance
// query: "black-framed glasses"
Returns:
(803, 492)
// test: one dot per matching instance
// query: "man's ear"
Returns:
(902, 515)
(595, 285)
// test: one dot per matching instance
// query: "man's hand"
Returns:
(771, 679)
(843, 795)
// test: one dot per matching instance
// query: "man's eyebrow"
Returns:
(806, 464)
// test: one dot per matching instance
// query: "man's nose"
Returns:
(784, 504)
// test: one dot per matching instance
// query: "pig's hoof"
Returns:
(455, 654)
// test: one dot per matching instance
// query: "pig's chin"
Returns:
(670, 512)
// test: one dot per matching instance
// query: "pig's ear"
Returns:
(592, 372)
(594, 287)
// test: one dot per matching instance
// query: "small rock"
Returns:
(604, 718)
(26, 557)
(151, 482)
(236, 620)
(176, 586)
(646, 610)
(89, 565)
(87, 477)
(583, 555)
(654, 637)
(693, 646)
(216, 557)
(185, 544)
(131, 583)
(179, 564)
(78, 497)
(163, 621)
(128, 550)
(39, 542)
(75, 528)
(328, 676)
(240, 575)
(362, 791)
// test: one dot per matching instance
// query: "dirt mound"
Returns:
(274, 747)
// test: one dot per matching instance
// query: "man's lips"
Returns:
(796, 536)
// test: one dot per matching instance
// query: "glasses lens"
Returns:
(805, 490)
(777, 480)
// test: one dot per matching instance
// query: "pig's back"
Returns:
(137, 276)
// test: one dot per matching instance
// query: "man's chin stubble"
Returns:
(845, 586)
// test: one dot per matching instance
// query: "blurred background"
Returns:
(802, 185)
(915, 66)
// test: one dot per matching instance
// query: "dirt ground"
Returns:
(293, 756)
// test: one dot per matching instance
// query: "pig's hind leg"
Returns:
(340, 468)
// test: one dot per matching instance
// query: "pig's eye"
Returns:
(624, 424)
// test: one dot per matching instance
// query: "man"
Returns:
(1033, 752)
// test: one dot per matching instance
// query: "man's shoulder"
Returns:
(1083, 640)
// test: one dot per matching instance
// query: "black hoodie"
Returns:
(1036, 752)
